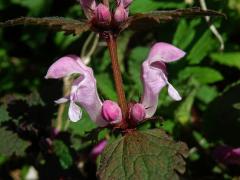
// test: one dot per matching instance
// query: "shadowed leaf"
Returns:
(69, 26)
(140, 19)
(149, 154)
(11, 144)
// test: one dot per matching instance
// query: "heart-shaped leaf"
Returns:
(141, 155)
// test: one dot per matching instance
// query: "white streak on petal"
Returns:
(173, 93)
(74, 112)
(61, 100)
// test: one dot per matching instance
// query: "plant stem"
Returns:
(106, 3)
(112, 46)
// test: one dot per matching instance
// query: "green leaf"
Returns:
(106, 86)
(63, 154)
(4, 116)
(149, 5)
(35, 7)
(231, 59)
(82, 126)
(149, 154)
(183, 113)
(185, 33)
(136, 59)
(201, 49)
(11, 144)
(203, 75)
(207, 94)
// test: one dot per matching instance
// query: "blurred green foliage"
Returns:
(206, 78)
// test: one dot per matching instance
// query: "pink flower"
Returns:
(227, 155)
(154, 75)
(83, 91)
(98, 149)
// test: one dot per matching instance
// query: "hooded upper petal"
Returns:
(88, 7)
(165, 52)
(83, 91)
(64, 66)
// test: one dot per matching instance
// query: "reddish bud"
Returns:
(102, 14)
(120, 14)
(138, 112)
(111, 112)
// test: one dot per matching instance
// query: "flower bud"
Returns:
(111, 112)
(102, 14)
(138, 112)
(120, 14)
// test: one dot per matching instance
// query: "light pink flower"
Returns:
(154, 75)
(83, 91)
(88, 7)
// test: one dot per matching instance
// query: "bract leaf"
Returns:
(149, 154)
(163, 16)
(69, 26)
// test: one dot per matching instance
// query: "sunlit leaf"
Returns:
(203, 75)
(201, 48)
(231, 59)
(149, 154)
(183, 113)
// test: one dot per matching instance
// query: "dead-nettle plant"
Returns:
(149, 154)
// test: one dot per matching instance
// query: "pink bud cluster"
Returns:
(102, 15)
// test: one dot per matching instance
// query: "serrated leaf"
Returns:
(4, 116)
(203, 75)
(69, 26)
(11, 144)
(149, 154)
(164, 16)
(231, 59)
(63, 154)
